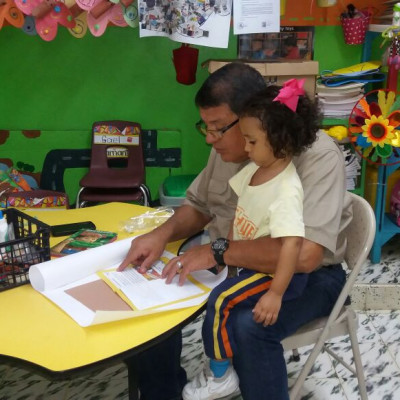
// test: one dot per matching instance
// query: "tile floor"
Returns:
(379, 338)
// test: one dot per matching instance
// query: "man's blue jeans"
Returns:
(158, 370)
(258, 358)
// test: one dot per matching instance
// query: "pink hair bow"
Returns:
(289, 94)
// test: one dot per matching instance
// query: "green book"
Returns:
(82, 240)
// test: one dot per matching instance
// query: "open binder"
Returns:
(85, 286)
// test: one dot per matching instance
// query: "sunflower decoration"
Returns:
(374, 127)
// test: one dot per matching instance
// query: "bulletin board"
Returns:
(307, 12)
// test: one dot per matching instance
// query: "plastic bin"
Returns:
(30, 246)
(173, 191)
(176, 186)
(169, 201)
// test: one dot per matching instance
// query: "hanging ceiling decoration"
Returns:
(42, 17)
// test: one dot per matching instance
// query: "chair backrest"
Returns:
(117, 151)
(360, 234)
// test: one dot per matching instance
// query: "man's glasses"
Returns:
(216, 133)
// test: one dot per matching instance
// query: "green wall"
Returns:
(62, 87)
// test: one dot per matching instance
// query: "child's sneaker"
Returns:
(206, 387)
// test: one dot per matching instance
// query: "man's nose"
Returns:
(211, 139)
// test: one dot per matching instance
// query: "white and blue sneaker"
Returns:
(205, 386)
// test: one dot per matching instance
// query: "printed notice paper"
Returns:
(256, 16)
(86, 286)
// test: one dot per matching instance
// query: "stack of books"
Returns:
(339, 101)
(353, 167)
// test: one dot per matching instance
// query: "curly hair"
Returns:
(233, 84)
(289, 133)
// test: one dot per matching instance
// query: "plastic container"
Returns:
(355, 29)
(173, 191)
(175, 186)
(30, 245)
(169, 201)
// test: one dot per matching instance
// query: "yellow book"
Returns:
(144, 292)
(361, 67)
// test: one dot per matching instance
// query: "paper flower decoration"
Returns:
(80, 28)
(100, 13)
(29, 26)
(42, 17)
(374, 127)
(10, 14)
(47, 14)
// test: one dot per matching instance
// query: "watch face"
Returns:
(219, 247)
(220, 244)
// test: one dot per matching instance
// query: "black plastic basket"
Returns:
(30, 246)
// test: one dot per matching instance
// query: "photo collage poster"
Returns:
(291, 43)
(204, 23)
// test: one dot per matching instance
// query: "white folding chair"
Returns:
(342, 319)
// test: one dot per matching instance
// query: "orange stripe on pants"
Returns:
(229, 306)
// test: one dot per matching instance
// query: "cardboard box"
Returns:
(279, 72)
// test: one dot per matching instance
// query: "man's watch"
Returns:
(219, 247)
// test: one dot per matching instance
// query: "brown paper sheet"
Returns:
(98, 296)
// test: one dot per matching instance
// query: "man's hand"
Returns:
(267, 308)
(144, 251)
(194, 259)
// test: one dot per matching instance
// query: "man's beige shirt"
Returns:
(327, 204)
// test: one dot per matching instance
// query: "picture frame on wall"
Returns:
(291, 43)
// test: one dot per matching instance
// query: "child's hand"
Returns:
(267, 308)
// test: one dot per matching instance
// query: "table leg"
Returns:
(133, 390)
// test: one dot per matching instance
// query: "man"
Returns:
(259, 360)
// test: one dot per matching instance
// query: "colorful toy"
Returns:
(374, 127)
(16, 177)
(338, 132)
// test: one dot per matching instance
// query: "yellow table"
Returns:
(35, 330)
